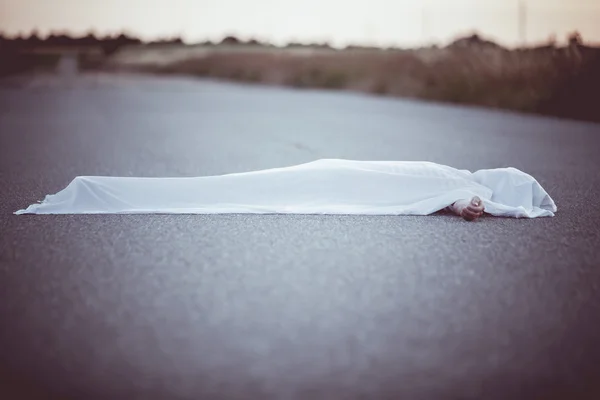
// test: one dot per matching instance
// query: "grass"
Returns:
(560, 81)
(530, 80)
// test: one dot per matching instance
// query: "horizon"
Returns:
(378, 23)
(113, 35)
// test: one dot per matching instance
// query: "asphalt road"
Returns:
(288, 307)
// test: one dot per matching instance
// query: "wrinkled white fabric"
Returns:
(328, 186)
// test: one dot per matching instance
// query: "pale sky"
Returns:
(379, 22)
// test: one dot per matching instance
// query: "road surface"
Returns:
(288, 307)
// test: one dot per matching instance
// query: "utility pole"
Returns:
(522, 22)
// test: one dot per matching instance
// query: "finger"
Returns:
(473, 211)
(468, 215)
(476, 210)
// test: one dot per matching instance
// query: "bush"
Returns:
(380, 87)
(318, 78)
(549, 79)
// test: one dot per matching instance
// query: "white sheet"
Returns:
(328, 186)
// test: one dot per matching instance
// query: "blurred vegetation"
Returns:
(550, 79)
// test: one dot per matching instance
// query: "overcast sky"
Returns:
(382, 22)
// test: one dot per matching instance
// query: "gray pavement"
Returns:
(288, 307)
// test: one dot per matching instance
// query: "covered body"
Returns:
(328, 186)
